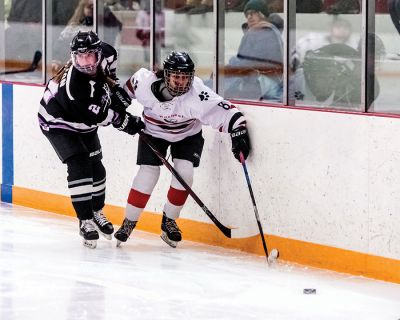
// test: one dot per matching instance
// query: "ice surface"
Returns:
(46, 273)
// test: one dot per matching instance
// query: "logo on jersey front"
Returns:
(166, 105)
(204, 95)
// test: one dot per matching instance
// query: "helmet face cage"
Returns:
(173, 88)
(178, 64)
(86, 43)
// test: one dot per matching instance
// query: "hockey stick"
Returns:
(36, 59)
(225, 230)
(274, 252)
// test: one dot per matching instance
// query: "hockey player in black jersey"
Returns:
(75, 103)
(176, 106)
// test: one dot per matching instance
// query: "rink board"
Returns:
(326, 184)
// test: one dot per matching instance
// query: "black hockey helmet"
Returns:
(178, 64)
(86, 42)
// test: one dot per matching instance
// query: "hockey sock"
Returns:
(99, 185)
(80, 185)
(177, 194)
(142, 187)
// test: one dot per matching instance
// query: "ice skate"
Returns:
(170, 232)
(88, 231)
(124, 231)
(102, 224)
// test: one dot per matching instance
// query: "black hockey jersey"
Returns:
(79, 102)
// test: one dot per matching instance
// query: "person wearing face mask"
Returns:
(80, 98)
(256, 70)
(176, 106)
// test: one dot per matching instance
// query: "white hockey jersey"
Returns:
(184, 115)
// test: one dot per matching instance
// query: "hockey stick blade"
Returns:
(225, 230)
(274, 252)
(36, 59)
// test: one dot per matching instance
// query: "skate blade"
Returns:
(105, 235)
(168, 241)
(119, 241)
(92, 244)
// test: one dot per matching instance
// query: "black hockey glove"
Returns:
(120, 99)
(240, 142)
(129, 124)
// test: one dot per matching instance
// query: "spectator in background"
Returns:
(321, 62)
(340, 32)
(143, 22)
(82, 20)
(256, 71)
(333, 73)
(332, 76)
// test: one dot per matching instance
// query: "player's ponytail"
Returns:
(58, 76)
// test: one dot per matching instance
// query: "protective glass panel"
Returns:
(21, 41)
(3, 14)
(252, 68)
(125, 24)
(188, 26)
(384, 58)
(116, 26)
(64, 20)
(325, 58)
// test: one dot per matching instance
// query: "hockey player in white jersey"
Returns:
(176, 106)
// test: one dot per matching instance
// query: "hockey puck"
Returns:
(310, 291)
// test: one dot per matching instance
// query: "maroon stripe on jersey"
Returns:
(138, 199)
(167, 127)
(153, 121)
(177, 197)
(166, 123)
(129, 86)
